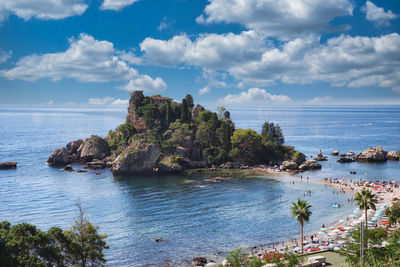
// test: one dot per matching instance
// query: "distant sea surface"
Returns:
(196, 219)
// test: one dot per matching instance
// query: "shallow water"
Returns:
(194, 217)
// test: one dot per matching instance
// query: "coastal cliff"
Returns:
(163, 136)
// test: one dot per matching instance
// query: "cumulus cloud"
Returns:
(254, 96)
(120, 102)
(378, 14)
(205, 90)
(319, 100)
(42, 9)
(86, 60)
(208, 50)
(116, 4)
(100, 101)
(146, 84)
(4, 56)
(342, 61)
(277, 18)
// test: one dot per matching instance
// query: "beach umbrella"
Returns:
(322, 233)
(393, 182)
(384, 223)
(323, 229)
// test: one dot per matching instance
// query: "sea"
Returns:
(194, 217)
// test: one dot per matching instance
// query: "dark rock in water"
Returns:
(343, 155)
(59, 157)
(335, 153)
(94, 147)
(68, 168)
(320, 157)
(199, 261)
(372, 154)
(393, 155)
(73, 146)
(139, 157)
(289, 165)
(8, 165)
(160, 240)
(81, 171)
(353, 172)
(345, 160)
(95, 165)
(310, 165)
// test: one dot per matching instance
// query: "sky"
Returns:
(223, 52)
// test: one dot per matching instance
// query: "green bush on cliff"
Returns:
(121, 136)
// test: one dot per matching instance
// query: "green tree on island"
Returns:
(301, 210)
(393, 213)
(366, 200)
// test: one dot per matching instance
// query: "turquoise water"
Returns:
(196, 218)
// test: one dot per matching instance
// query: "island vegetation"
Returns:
(161, 135)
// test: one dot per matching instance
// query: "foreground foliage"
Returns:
(376, 254)
(25, 245)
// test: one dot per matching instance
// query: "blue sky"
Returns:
(229, 52)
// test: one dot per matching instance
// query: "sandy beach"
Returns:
(331, 237)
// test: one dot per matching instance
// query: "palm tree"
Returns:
(301, 210)
(366, 200)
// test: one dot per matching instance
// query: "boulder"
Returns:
(393, 155)
(169, 165)
(298, 157)
(310, 165)
(160, 240)
(139, 157)
(94, 147)
(59, 157)
(73, 146)
(345, 160)
(199, 261)
(372, 154)
(68, 168)
(95, 165)
(289, 165)
(8, 165)
(335, 153)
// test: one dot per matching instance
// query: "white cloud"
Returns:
(146, 84)
(116, 4)
(100, 101)
(165, 23)
(130, 57)
(42, 9)
(277, 18)
(4, 56)
(120, 102)
(86, 60)
(319, 100)
(343, 61)
(208, 50)
(378, 14)
(205, 90)
(254, 96)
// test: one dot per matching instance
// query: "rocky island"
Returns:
(164, 136)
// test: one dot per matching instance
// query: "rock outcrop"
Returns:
(345, 160)
(199, 261)
(94, 147)
(310, 165)
(298, 158)
(320, 157)
(196, 111)
(139, 157)
(72, 149)
(289, 165)
(8, 165)
(169, 165)
(335, 153)
(393, 155)
(59, 157)
(372, 154)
